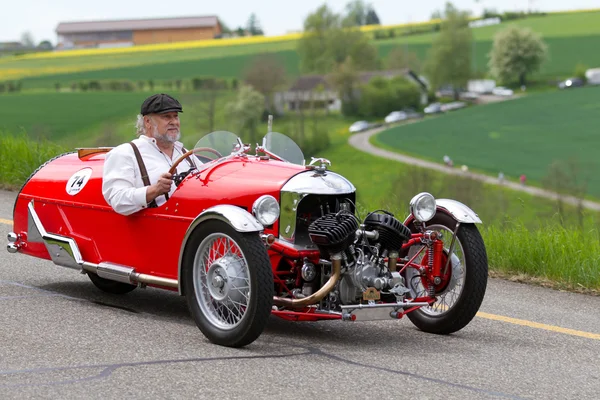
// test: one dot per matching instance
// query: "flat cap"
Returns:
(160, 103)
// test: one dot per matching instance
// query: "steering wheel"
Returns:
(188, 153)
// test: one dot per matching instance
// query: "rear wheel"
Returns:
(228, 284)
(108, 286)
(463, 288)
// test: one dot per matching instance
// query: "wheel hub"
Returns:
(225, 277)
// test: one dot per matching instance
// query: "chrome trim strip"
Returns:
(239, 219)
(459, 211)
(62, 250)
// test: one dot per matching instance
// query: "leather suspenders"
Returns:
(144, 172)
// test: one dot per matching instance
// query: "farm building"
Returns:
(120, 33)
(315, 91)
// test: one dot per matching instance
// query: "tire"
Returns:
(229, 292)
(472, 280)
(109, 286)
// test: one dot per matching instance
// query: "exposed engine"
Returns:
(368, 250)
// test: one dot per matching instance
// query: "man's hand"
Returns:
(161, 187)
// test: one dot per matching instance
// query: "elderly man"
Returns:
(136, 173)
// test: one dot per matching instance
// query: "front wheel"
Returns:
(460, 297)
(228, 284)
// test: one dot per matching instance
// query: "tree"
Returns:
(27, 40)
(356, 13)
(372, 17)
(325, 44)
(345, 80)
(266, 74)
(516, 52)
(245, 111)
(400, 58)
(45, 45)
(449, 60)
(253, 25)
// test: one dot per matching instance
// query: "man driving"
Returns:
(136, 174)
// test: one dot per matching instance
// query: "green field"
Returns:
(521, 136)
(103, 118)
(572, 39)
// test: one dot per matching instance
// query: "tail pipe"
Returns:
(336, 265)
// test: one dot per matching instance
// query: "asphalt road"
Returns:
(62, 338)
(360, 141)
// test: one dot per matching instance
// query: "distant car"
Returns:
(411, 113)
(433, 108)
(395, 116)
(455, 105)
(502, 91)
(570, 83)
(359, 126)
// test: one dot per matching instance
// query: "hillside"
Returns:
(570, 37)
(521, 136)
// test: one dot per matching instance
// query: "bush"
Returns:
(381, 96)
(580, 70)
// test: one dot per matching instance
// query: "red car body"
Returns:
(316, 261)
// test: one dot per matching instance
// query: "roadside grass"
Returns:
(521, 136)
(20, 156)
(558, 257)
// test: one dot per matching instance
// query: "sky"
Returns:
(276, 16)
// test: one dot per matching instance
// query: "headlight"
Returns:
(266, 210)
(422, 206)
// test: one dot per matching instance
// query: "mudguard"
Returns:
(238, 218)
(458, 211)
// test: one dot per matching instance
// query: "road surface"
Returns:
(61, 338)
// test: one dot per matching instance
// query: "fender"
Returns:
(458, 211)
(238, 218)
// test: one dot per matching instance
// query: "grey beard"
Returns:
(165, 138)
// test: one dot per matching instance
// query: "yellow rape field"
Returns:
(194, 44)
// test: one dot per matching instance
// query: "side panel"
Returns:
(150, 240)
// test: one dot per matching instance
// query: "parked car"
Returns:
(433, 108)
(395, 116)
(571, 83)
(502, 91)
(359, 126)
(455, 105)
(255, 232)
(411, 113)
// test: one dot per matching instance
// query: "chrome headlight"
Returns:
(423, 207)
(266, 210)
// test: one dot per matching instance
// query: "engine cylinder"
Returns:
(392, 233)
(333, 233)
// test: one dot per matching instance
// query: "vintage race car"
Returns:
(253, 233)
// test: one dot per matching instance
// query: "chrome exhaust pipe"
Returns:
(128, 275)
(336, 265)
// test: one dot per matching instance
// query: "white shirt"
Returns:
(122, 185)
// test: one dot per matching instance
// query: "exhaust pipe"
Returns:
(336, 265)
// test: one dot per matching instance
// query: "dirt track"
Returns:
(360, 141)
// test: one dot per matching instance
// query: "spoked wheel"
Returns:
(228, 284)
(462, 289)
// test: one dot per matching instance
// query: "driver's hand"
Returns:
(161, 187)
